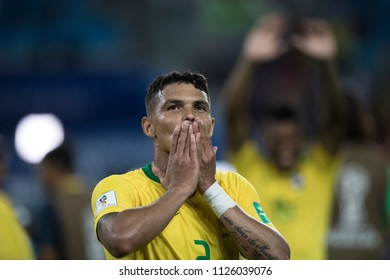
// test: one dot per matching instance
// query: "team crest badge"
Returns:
(106, 200)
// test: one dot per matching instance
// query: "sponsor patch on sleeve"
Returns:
(261, 213)
(106, 200)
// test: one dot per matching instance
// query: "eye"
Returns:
(200, 108)
(173, 108)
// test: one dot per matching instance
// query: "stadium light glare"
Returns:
(36, 135)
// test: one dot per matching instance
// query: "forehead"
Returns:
(181, 91)
(281, 126)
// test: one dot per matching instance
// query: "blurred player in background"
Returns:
(63, 225)
(15, 242)
(293, 174)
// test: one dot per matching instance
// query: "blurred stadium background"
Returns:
(89, 63)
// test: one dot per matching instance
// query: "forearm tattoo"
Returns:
(247, 244)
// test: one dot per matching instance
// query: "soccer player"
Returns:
(179, 206)
(62, 221)
(15, 242)
(293, 172)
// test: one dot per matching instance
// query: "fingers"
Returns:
(175, 137)
(313, 28)
(265, 41)
(274, 24)
(196, 127)
(187, 147)
(182, 142)
(206, 156)
(192, 143)
(316, 40)
(191, 139)
(203, 139)
(199, 134)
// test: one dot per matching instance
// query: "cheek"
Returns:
(164, 128)
(209, 127)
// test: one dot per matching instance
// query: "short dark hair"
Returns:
(61, 157)
(198, 80)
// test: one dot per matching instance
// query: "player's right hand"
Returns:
(265, 41)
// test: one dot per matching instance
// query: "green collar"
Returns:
(147, 169)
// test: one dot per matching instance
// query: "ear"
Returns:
(147, 127)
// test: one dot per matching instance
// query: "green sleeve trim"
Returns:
(261, 213)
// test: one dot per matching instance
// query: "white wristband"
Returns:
(218, 199)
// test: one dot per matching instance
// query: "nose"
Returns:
(188, 115)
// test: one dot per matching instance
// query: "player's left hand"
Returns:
(207, 154)
(317, 40)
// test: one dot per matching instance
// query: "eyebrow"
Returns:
(177, 101)
(180, 102)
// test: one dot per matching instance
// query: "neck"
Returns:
(160, 159)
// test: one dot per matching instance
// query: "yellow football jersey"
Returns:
(194, 232)
(298, 203)
(14, 241)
